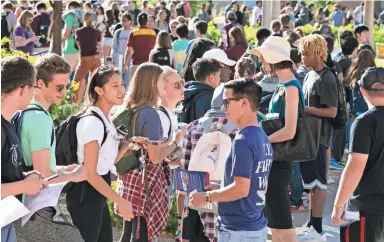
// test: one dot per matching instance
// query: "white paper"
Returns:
(11, 210)
(47, 197)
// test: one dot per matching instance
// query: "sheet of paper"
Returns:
(47, 197)
(11, 209)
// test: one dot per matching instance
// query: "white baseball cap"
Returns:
(275, 49)
(220, 56)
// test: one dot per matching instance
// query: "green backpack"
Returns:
(125, 125)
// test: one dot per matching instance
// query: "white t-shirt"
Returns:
(165, 123)
(256, 11)
(358, 15)
(90, 129)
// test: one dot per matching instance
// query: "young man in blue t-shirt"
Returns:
(241, 195)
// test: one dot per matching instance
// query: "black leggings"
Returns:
(129, 231)
(89, 212)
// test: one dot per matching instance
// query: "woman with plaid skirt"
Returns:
(149, 196)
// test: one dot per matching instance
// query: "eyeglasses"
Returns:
(61, 87)
(226, 101)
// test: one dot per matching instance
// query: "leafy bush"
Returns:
(250, 33)
(213, 32)
(7, 52)
(62, 111)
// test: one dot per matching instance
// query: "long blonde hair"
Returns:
(22, 21)
(143, 86)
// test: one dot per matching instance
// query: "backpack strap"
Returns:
(95, 114)
(162, 109)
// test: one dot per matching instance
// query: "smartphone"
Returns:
(51, 177)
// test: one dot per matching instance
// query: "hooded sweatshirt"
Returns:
(203, 103)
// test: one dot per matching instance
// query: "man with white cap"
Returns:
(221, 56)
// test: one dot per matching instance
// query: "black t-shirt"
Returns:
(11, 155)
(321, 91)
(344, 63)
(367, 137)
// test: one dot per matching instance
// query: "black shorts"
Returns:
(314, 171)
(193, 229)
(277, 205)
(368, 229)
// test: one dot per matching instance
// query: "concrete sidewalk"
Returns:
(331, 231)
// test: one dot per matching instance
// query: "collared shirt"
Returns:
(142, 40)
(90, 129)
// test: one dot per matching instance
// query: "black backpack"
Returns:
(42, 28)
(4, 25)
(186, 110)
(161, 57)
(341, 118)
(66, 145)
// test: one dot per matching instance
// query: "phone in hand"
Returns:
(51, 177)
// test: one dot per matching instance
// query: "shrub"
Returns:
(213, 32)
(250, 33)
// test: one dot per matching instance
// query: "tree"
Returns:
(57, 25)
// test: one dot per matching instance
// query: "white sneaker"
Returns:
(312, 236)
(330, 181)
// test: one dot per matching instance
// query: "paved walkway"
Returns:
(331, 231)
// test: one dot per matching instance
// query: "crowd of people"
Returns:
(174, 88)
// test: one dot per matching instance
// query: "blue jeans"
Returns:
(8, 233)
(296, 185)
(348, 133)
(243, 236)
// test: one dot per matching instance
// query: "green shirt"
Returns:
(277, 103)
(71, 21)
(37, 128)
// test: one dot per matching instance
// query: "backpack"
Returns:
(4, 25)
(42, 28)
(341, 118)
(161, 57)
(186, 110)
(125, 123)
(66, 147)
(211, 150)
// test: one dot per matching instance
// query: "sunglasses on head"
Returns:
(226, 101)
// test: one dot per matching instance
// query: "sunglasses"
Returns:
(61, 87)
(226, 101)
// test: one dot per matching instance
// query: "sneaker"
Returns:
(312, 236)
(330, 181)
(334, 165)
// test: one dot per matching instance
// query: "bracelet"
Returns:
(337, 206)
(174, 143)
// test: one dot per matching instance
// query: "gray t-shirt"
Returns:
(148, 124)
(320, 91)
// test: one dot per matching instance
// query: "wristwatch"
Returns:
(207, 197)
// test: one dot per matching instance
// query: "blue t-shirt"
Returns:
(251, 158)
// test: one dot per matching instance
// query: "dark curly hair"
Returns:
(16, 72)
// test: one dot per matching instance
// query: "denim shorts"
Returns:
(243, 236)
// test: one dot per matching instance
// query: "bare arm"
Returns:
(19, 42)
(91, 155)
(351, 177)
(13, 189)
(237, 190)
(128, 55)
(329, 112)
(291, 113)
(67, 33)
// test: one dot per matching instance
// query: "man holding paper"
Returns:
(241, 196)
(16, 92)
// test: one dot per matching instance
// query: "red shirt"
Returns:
(142, 40)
